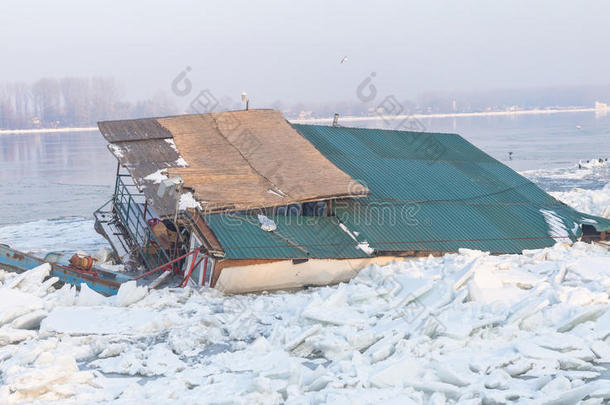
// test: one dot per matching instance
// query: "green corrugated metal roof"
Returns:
(241, 236)
(438, 192)
(449, 226)
(429, 192)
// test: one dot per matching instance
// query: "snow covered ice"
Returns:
(463, 328)
(596, 202)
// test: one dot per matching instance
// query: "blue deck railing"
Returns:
(132, 209)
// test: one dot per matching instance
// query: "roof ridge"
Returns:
(275, 187)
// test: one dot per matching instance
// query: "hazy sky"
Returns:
(291, 51)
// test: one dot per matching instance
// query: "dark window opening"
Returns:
(292, 210)
(315, 209)
(589, 233)
(309, 209)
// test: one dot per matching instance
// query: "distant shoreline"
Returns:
(45, 130)
(450, 115)
(353, 118)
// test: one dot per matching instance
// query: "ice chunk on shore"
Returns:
(14, 303)
(10, 335)
(89, 298)
(129, 293)
(594, 202)
(30, 320)
(103, 321)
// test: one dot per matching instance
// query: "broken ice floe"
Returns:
(463, 328)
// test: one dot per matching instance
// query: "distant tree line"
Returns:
(77, 101)
(457, 102)
(70, 102)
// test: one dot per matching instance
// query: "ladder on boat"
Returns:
(107, 225)
(125, 221)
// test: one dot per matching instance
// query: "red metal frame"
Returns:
(205, 270)
(194, 263)
(193, 266)
(168, 266)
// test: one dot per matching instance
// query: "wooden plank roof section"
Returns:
(133, 130)
(232, 161)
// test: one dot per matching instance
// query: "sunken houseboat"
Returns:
(246, 201)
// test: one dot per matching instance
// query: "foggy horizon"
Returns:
(292, 52)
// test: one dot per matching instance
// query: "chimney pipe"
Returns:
(336, 120)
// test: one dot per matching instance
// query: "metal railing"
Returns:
(128, 206)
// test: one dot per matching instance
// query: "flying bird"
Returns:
(344, 59)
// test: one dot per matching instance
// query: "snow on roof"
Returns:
(229, 160)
